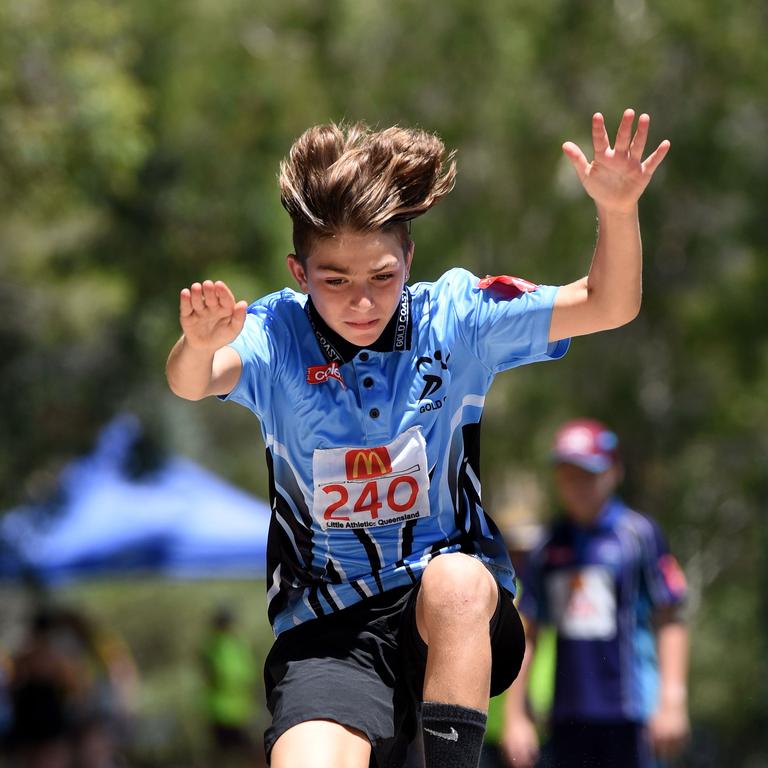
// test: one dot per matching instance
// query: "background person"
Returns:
(522, 538)
(46, 685)
(604, 578)
(230, 676)
(5, 702)
(108, 687)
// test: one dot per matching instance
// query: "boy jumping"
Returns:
(389, 588)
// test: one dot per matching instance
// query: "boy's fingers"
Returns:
(577, 158)
(624, 134)
(653, 160)
(599, 135)
(238, 314)
(209, 294)
(225, 296)
(185, 303)
(637, 147)
(196, 297)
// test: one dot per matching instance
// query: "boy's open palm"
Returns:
(617, 175)
(209, 315)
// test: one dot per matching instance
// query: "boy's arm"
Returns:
(669, 725)
(519, 739)
(610, 295)
(201, 363)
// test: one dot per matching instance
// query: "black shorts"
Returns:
(602, 745)
(363, 667)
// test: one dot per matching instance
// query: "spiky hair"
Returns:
(353, 178)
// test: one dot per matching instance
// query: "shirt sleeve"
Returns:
(662, 575)
(533, 604)
(258, 354)
(505, 320)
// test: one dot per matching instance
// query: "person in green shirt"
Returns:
(230, 675)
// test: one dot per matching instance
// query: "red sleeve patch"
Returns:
(506, 286)
(673, 574)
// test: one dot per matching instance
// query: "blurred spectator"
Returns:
(521, 539)
(71, 690)
(44, 685)
(230, 676)
(604, 579)
(5, 702)
(107, 688)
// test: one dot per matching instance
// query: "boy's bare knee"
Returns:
(457, 588)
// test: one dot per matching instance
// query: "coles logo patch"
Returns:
(319, 374)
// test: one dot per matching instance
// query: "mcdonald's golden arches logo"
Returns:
(366, 463)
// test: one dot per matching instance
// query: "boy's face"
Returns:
(355, 280)
(583, 493)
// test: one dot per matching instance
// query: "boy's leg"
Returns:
(321, 744)
(456, 601)
(332, 688)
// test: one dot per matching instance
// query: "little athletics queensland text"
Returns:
(372, 523)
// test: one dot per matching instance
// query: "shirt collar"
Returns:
(605, 518)
(612, 509)
(396, 336)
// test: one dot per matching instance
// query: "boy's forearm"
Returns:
(516, 699)
(672, 650)
(189, 370)
(614, 282)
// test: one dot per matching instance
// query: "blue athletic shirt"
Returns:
(599, 588)
(373, 453)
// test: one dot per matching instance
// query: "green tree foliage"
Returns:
(139, 145)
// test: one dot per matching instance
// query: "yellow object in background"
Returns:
(541, 688)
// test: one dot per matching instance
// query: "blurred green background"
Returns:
(139, 145)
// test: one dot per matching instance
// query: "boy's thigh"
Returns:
(321, 744)
(342, 669)
(341, 691)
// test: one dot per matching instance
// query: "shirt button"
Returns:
(364, 357)
(374, 413)
(367, 382)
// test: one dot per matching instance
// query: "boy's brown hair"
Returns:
(352, 178)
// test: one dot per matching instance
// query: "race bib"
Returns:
(371, 487)
(583, 603)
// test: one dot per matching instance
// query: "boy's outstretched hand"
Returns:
(617, 176)
(210, 318)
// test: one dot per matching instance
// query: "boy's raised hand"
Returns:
(210, 318)
(617, 175)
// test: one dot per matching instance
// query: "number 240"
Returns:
(368, 500)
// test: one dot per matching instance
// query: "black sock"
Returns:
(453, 735)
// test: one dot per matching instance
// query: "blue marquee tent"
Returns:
(179, 520)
